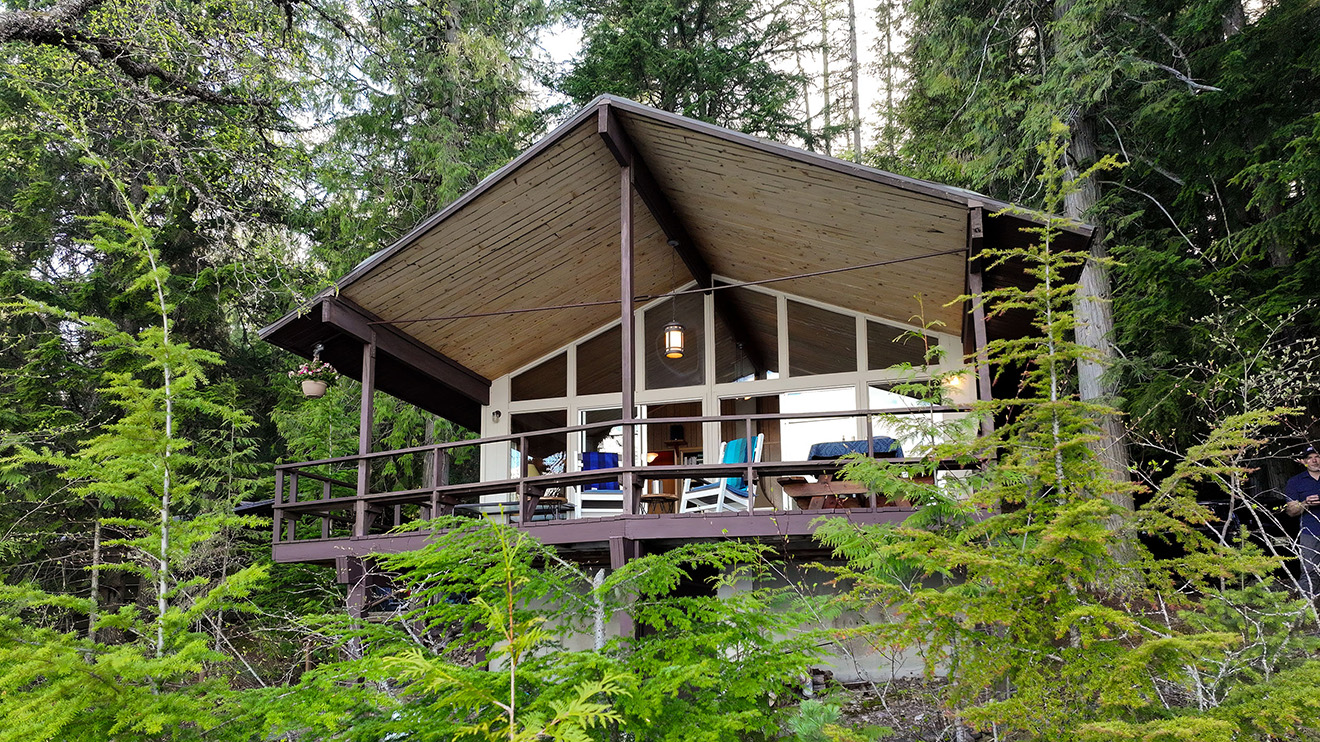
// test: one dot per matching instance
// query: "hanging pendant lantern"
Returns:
(673, 334)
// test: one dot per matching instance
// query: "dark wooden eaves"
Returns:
(406, 368)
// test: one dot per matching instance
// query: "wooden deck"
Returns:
(598, 537)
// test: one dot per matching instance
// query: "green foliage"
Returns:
(1045, 628)
(820, 721)
(714, 61)
(140, 472)
(1208, 103)
(702, 665)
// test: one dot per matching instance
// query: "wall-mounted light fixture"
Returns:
(495, 415)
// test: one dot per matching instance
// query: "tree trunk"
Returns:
(855, 66)
(806, 101)
(1095, 323)
(887, 61)
(1092, 307)
(1234, 19)
(96, 578)
(825, 72)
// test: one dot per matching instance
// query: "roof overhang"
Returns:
(544, 232)
(405, 368)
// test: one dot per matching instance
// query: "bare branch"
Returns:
(1191, 84)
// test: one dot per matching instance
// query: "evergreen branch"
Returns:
(62, 27)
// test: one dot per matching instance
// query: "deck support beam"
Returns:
(622, 551)
(682, 242)
(352, 572)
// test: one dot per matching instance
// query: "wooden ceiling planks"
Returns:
(500, 220)
(557, 277)
(547, 234)
(759, 215)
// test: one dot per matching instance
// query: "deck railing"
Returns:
(354, 508)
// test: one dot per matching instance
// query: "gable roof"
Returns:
(543, 231)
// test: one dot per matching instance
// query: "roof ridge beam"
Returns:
(676, 233)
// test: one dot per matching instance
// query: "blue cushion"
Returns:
(735, 452)
(598, 460)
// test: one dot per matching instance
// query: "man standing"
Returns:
(1304, 489)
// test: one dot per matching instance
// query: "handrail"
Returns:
(568, 479)
(439, 496)
(621, 423)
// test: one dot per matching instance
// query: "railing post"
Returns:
(870, 454)
(360, 522)
(293, 499)
(325, 519)
(278, 512)
(521, 488)
(747, 447)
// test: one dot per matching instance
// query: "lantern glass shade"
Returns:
(673, 335)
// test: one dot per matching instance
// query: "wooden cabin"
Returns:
(534, 312)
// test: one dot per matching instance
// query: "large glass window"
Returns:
(599, 364)
(607, 439)
(602, 448)
(689, 370)
(915, 432)
(820, 341)
(798, 435)
(888, 346)
(672, 443)
(545, 380)
(546, 453)
(767, 487)
(759, 317)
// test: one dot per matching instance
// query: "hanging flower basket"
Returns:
(315, 377)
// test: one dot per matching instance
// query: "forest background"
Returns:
(177, 174)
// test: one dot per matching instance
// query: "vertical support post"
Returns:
(626, 295)
(293, 498)
(975, 287)
(870, 454)
(622, 551)
(278, 514)
(750, 473)
(361, 524)
(352, 572)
